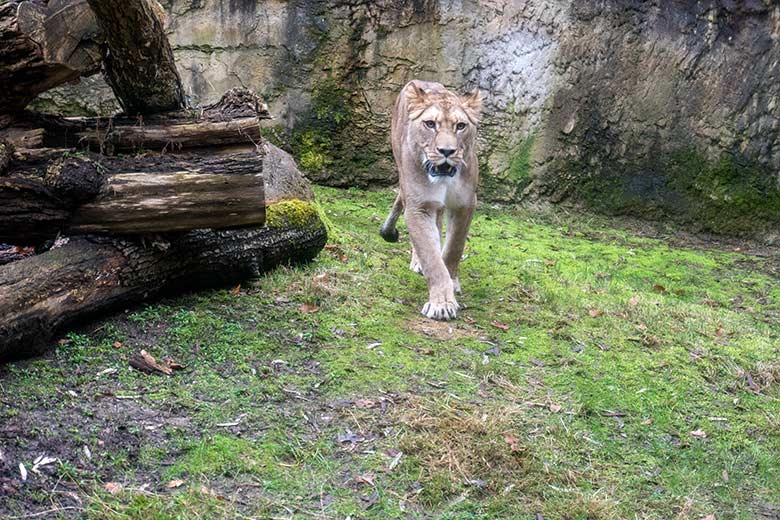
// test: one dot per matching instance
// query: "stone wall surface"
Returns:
(654, 107)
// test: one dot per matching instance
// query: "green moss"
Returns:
(292, 212)
(334, 143)
(723, 196)
(507, 186)
(520, 163)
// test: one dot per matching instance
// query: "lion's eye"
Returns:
(430, 124)
(460, 126)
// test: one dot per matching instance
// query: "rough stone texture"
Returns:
(667, 109)
(656, 107)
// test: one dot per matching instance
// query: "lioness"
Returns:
(433, 136)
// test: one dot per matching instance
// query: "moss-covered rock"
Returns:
(292, 213)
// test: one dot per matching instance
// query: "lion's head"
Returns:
(443, 127)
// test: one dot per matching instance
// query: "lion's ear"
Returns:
(472, 104)
(416, 97)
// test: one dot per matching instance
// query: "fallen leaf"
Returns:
(595, 313)
(660, 289)
(647, 421)
(308, 308)
(350, 437)
(709, 517)
(173, 365)
(367, 478)
(41, 461)
(513, 441)
(174, 483)
(720, 331)
(282, 299)
(426, 351)
(699, 434)
(113, 487)
(469, 320)
(725, 476)
(549, 263)
(555, 408)
(145, 362)
(365, 403)
(23, 472)
(117, 344)
(235, 290)
(633, 301)
(396, 460)
(499, 325)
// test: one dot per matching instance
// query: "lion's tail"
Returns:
(388, 230)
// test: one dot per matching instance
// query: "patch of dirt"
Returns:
(441, 330)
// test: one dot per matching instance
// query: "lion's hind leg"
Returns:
(388, 231)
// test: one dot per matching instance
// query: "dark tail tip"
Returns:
(390, 235)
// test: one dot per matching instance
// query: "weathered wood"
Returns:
(49, 194)
(42, 45)
(9, 253)
(139, 66)
(236, 119)
(6, 152)
(114, 138)
(40, 295)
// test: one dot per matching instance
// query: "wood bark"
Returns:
(139, 66)
(51, 194)
(89, 275)
(120, 136)
(43, 45)
(236, 119)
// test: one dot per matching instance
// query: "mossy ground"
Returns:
(594, 374)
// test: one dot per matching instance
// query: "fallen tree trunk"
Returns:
(43, 45)
(139, 66)
(55, 193)
(116, 136)
(88, 275)
(236, 119)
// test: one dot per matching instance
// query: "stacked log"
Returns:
(126, 208)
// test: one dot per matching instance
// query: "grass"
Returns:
(595, 373)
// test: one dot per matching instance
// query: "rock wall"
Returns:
(653, 107)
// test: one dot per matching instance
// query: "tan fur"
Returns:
(425, 195)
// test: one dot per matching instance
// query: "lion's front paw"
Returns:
(441, 310)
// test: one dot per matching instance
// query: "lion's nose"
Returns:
(446, 152)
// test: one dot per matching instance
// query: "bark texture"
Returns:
(52, 194)
(42, 45)
(89, 275)
(139, 66)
